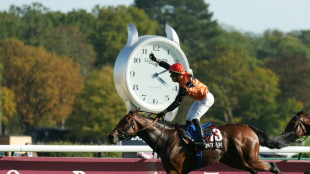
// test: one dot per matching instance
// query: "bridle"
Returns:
(132, 124)
(303, 127)
(123, 133)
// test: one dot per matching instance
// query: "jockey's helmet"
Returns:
(177, 68)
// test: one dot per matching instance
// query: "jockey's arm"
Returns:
(161, 63)
(164, 65)
(182, 93)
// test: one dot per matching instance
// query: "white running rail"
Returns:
(117, 148)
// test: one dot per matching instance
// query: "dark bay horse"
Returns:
(300, 124)
(240, 145)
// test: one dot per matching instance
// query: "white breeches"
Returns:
(200, 107)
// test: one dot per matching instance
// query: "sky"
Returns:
(255, 16)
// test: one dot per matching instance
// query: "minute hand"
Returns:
(162, 81)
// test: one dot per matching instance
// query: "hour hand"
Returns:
(157, 74)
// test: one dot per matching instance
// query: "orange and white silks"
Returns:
(198, 92)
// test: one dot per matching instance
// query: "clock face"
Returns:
(149, 84)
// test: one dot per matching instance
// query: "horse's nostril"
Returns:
(111, 139)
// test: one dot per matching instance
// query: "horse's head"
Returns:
(127, 127)
(300, 123)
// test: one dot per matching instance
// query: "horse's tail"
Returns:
(274, 143)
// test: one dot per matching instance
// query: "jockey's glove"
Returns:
(152, 57)
(161, 114)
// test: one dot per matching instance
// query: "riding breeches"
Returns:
(200, 107)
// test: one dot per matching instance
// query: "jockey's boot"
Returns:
(188, 124)
(201, 143)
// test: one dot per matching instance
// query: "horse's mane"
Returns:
(167, 123)
(302, 112)
(163, 122)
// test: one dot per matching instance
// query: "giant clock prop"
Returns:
(142, 83)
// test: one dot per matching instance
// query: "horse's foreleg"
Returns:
(274, 168)
(263, 166)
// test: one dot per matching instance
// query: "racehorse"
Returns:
(300, 124)
(240, 145)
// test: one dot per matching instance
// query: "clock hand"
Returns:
(163, 71)
(162, 81)
(157, 74)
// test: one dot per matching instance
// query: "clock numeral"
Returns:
(135, 87)
(167, 98)
(144, 51)
(132, 73)
(156, 48)
(136, 60)
(168, 51)
(176, 60)
(155, 101)
(175, 88)
(143, 97)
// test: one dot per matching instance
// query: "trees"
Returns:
(255, 79)
(191, 19)
(276, 44)
(44, 84)
(70, 42)
(8, 105)
(111, 30)
(294, 72)
(98, 108)
(10, 25)
(36, 25)
(288, 56)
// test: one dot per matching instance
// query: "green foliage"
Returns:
(70, 42)
(192, 21)
(10, 25)
(111, 30)
(278, 44)
(259, 80)
(294, 72)
(98, 107)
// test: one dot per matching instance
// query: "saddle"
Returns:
(212, 135)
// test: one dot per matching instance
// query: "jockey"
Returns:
(188, 85)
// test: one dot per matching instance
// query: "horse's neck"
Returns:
(154, 135)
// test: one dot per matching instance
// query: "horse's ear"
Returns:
(301, 113)
(134, 111)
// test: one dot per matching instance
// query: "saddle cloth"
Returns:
(212, 135)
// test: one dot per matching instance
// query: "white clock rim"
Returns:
(137, 102)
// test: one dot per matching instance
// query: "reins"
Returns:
(156, 119)
(155, 147)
